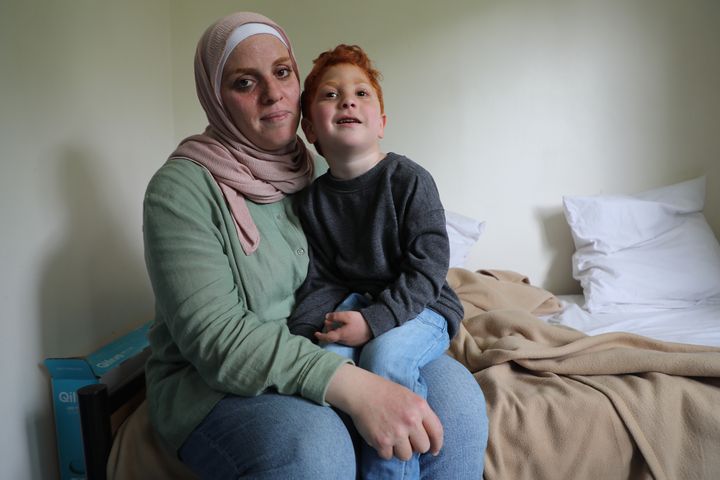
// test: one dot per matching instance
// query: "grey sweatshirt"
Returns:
(381, 233)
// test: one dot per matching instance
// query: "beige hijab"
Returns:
(241, 169)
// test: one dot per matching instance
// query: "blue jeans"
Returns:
(397, 355)
(279, 437)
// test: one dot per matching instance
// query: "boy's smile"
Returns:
(345, 115)
(347, 120)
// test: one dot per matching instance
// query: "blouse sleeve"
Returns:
(212, 327)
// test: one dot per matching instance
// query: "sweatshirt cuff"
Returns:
(304, 330)
(380, 318)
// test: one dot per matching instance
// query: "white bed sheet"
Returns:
(696, 325)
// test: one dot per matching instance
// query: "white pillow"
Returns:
(463, 232)
(646, 251)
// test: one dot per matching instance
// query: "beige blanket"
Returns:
(563, 405)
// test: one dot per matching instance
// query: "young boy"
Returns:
(376, 289)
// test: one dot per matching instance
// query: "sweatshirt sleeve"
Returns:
(426, 255)
(232, 347)
(321, 292)
(316, 297)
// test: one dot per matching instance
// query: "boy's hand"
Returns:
(346, 328)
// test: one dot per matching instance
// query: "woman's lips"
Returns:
(276, 116)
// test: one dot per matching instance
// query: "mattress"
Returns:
(698, 325)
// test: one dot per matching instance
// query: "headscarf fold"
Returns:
(242, 170)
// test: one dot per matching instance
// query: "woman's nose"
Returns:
(272, 92)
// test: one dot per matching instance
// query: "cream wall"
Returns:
(85, 118)
(510, 104)
(513, 104)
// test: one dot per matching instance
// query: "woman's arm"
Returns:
(391, 418)
(192, 255)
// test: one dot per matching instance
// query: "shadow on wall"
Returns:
(712, 198)
(94, 284)
(41, 444)
(558, 241)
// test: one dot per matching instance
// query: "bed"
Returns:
(621, 382)
(698, 325)
(566, 405)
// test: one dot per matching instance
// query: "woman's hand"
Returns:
(347, 328)
(391, 418)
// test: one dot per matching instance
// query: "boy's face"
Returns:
(345, 114)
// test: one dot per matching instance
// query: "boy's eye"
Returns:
(362, 93)
(330, 94)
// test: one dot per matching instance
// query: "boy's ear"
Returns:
(383, 123)
(308, 129)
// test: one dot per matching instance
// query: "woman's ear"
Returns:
(308, 129)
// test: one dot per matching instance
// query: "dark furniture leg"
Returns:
(95, 424)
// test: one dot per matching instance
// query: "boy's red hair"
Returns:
(350, 54)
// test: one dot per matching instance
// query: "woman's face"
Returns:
(261, 92)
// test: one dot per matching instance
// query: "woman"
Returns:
(229, 388)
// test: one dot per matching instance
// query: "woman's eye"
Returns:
(242, 84)
(283, 72)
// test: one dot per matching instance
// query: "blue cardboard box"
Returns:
(110, 364)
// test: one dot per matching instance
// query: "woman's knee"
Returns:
(456, 390)
(456, 397)
(320, 448)
(272, 437)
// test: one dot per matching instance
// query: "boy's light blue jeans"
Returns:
(397, 355)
